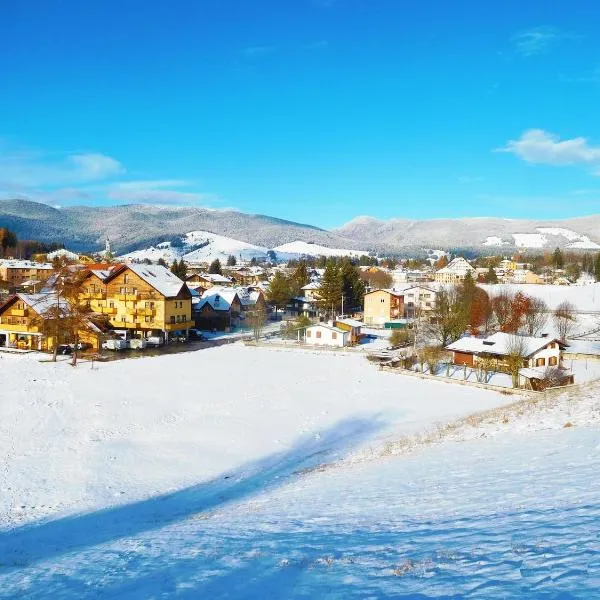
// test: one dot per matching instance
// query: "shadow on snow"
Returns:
(22, 546)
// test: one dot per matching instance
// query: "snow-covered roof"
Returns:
(393, 292)
(159, 277)
(540, 372)
(24, 264)
(62, 253)
(217, 299)
(457, 265)
(500, 343)
(41, 302)
(313, 285)
(212, 277)
(350, 322)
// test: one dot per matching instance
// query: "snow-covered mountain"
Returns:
(199, 247)
(134, 227)
(546, 237)
(477, 232)
(298, 248)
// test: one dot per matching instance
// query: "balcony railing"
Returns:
(19, 312)
(109, 310)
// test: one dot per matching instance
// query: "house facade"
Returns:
(382, 306)
(326, 335)
(18, 272)
(140, 300)
(535, 352)
(353, 328)
(455, 271)
(23, 320)
(419, 300)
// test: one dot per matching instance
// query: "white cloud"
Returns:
(157, 192)
(38, 169)
(541, 147)
(538, 40)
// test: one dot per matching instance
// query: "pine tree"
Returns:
(179, 269)
(299, 278)
(231, 261)
(353, 288)
(215, 267)
(597, 267)
(331, 289)
(279, 291)
(558, 260)
(490, 276)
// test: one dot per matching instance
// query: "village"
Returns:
(494, 321)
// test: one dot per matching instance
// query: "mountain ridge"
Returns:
(133, 227)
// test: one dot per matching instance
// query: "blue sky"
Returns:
(311, 110)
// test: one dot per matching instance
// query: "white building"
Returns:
(418, 299)
(455, 272)
(326, 335)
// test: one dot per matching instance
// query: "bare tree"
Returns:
(515, 354)
(257, 319)
(565, 319)
(502, 305)
(536, 316)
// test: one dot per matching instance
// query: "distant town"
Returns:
(494, 320)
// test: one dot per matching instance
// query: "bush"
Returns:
(399, 337)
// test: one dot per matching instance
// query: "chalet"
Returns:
(218, 309)
(139, 300)
(311, 291)
(534, 351)
(323, 334)
(23, 318)
(205, 281)
(383, 306)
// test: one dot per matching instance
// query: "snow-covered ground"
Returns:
(244, 472)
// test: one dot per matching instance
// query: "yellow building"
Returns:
(24, 323)
(139, 300)
(382, 306)
(17, 272)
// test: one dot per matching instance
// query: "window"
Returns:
(308, 333)
(540, 362)
(183, 319)
(334, 336)
(553, 361)
(123, 319)
(178, 319)
(147, 319)
(125, 278)
(172, 318)
(318, 334)
(112, 304)
(122, 291)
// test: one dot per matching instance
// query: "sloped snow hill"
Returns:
(199, 246)
(298, 248)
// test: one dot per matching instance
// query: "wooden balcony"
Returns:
(93, 296)
(108, 310)
(128, 297)
(144, 312)
(19, 312)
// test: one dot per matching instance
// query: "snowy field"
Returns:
(244, 472)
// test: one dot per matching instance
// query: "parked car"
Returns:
(154, 341)
(114, 344)
(196, 334)
(64, 349)
(137, 343)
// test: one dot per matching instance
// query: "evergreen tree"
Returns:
(231, 261)
(253, 261)
(179, 269)
(490, 276)
(215, 267)
(8, 239)
(162, 262)
(353, 288)
(331, 289)
(279, 291)
(558, 260)
(597, 267)
(299, 278)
